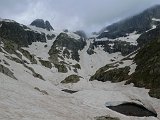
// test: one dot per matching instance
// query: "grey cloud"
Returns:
(90, 15)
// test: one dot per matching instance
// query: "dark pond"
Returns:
(132, 109)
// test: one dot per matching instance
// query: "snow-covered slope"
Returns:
(36, 93)
(21, 100)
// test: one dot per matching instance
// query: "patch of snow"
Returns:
(111, 45)
(155, 19)
(154, 26)
(132, 38)
(132, 68)
(6, 20)
(95, 61)
(39, 49)
(73, 35)
(41, 30)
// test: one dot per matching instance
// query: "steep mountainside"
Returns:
(145, 63)
(20, 34)
(124, 36)
(139, 23)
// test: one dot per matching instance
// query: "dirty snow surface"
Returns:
(30, 98)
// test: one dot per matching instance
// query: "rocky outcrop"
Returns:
(37, 75)
(146, 37)
(19, 34)
(147, 73)
(46, 63)
(65, 47)
(28, 56)
(63, 40)
(17, 60)
(90, 50)
(76, 66)
(117, 46)
(7, 72)
(50, 37)
(71, 79)
(155, 92)
(42, 24)
(113, 75)
(44, 92)
(10, 47)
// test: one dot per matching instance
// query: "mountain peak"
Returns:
(42, 24)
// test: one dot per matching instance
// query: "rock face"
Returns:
(65, 41)
(147, 73)
(42, 24)
(117, 46)
(140, 23)
(148, 36)
(50, 37)
(113, 75)
(46, 63)
(19, 34)
(28, 55)
(71, 79)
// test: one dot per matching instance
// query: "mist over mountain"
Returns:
(90, 16)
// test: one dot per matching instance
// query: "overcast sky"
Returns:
(88, 15)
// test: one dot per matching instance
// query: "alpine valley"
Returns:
(47, 74)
